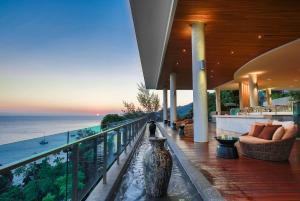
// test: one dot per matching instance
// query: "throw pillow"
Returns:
(257, 130)
(278, 133)
(268, 131)
(290, 132)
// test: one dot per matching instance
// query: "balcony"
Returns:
(70, 171)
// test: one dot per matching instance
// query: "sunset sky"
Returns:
(68, 57)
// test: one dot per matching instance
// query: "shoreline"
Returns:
(15, 151)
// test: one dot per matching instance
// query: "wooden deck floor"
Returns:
(244, 178)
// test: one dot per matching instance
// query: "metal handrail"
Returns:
(14, 165)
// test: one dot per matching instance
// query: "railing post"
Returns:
(130, 134)
(125, 138)
(118, 145)
(75, 158)
(134, 130)
(104, 157)
(95, 143)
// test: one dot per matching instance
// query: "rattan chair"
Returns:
(271, 151)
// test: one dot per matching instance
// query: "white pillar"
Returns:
(253, 90)
(165, 104)
(218, 100)
(269, 96)
(199, 84)
(173, 100)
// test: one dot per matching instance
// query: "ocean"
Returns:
(20, 136)
(17, 128)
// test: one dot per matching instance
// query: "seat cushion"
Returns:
(278, 133)
(268, 131)
(253, 140)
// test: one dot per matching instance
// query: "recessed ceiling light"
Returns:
(218, 62)
(212, 71)
(211, 76)
(269, 79)
(231, 52)
(177, 63)
(183, 50)
(259, 36)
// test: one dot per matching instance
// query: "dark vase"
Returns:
(157, 166)
(152, 128)
(173, 126)
(181, 130)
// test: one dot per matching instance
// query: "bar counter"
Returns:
(236, 125)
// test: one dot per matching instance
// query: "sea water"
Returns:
(20, 136)
(17, 128)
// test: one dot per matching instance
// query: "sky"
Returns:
(68, 57)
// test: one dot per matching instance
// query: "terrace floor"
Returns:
(244, 178)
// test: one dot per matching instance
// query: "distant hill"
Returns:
(184, 110)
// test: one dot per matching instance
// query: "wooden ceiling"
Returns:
(236, 32)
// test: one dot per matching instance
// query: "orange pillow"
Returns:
(268, 131)
(257, 130)
(278, 133)
(257, 123)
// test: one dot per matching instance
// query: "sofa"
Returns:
(271, 147)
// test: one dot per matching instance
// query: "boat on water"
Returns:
(43, 141)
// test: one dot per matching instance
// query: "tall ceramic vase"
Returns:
(157, 166)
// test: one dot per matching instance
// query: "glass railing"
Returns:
(70, 171)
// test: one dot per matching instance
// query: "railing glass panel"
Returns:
(47, 178)
(70, 171)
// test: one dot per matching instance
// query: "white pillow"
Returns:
(285, 124)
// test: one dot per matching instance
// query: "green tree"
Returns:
(130, 111)
(229, 96)
(148, 101)
(295, 95)
(42, 181)
(110, 118)
(49, 197)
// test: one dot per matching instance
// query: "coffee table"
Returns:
(226, 148)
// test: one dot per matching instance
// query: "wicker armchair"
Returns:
(271, 151)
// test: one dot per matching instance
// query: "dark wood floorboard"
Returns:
(244, 178)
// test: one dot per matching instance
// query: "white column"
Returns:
(253, 90)
(165, 104)
(199, 84)
(218, 100)
(173, 98)
(269, 96)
